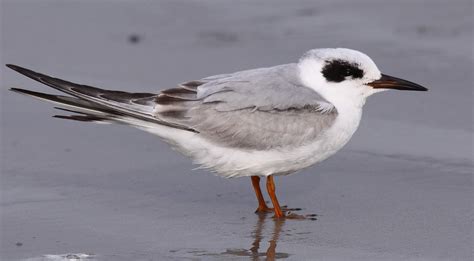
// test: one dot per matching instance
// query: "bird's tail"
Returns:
(91, 104)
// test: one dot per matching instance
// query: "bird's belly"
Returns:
(235, 162)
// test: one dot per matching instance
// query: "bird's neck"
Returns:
(346, 101)
(349, 112)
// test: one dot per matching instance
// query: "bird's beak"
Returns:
(390, 82)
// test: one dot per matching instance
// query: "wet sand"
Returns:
(400, 190)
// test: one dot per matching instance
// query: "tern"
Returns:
(263, 122)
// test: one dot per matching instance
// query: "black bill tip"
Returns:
(390, 82)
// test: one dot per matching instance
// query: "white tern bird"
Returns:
(256, 123)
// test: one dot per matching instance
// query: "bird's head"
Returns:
(345, 76)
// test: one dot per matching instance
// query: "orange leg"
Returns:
(276, 206)
(271, 193)
(262, 206)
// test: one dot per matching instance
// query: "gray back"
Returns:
(256, 109)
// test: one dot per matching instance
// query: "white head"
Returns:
(346, 77)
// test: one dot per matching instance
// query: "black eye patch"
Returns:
(338, 70)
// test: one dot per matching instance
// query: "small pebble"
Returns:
(134, 38)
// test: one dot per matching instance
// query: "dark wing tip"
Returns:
(18, 90)
(83, 118)
(32, 93)
(27, 72)
(14, 67)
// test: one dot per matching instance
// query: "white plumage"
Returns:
(259, 122)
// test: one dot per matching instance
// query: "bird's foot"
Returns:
(290, 215)
(265, 209)
(285, 208)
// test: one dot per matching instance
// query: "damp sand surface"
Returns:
(400, 190)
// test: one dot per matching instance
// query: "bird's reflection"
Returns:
(257, 234)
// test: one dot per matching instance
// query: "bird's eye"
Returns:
(348, 72)
(339, 70)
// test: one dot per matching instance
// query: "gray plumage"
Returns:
(266, 89)
(258, 109)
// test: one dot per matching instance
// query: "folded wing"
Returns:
(255, 109)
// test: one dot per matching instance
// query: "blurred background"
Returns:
(400, 190)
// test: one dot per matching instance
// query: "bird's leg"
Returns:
(271, 193)
(276, 206)
(262, 206)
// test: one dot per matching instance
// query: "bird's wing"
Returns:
(110, 105)
(256, 109)
(274, 88)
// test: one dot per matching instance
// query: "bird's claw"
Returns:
(301, 217)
